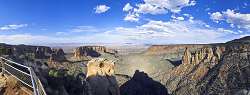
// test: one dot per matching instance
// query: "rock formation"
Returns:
(11, 86)
(186, 59)
(168, 49)
(219, 70)
(207, 54)
(100, 77)
(57, 55)
(100, 66)
(38, 52)
(92, 51)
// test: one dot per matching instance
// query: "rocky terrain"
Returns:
(168, 49)
(188, 69)
(212, 70)
(10, 86)
(84, 52)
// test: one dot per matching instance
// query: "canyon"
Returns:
(179, 69)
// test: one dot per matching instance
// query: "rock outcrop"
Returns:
(187, 58)
(93, 51)
(11, 86)
(100, 66)
(206, 54)
(169, 49)
(212, 70)
(32, 52)
(100, 77)
(57, 55)
(84, 51)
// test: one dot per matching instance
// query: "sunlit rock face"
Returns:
(100, 77)
(207, 54)
(198, 63)
(186, 59)
(100, 66)
(85, 52)
(219, 69)
(169, 49)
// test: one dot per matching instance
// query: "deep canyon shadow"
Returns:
(142, 84)
(93, 53)
(175, 62)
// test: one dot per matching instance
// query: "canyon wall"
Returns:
(212, 70)
(167, 49)
(38, 52)
(92, 51)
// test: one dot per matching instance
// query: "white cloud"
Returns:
(23, 39)
(177, 18)
(162, 6)
(13, 27)
(207, 26)
(187, 15)
(180, 18)
(132, 17)
(101, 9)
(156, 32)
(127, 7)
(172, 32)
(232, 17)
(150, 9)
(191, 19)
(155, 7)
(226, 30)
(216, 16)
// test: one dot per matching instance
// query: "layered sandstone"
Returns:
(100, 77)
(186, 59)
(92, 51)
(220, 70)
(167, 49)
(38, 52)
(100, 66)
(207, 54)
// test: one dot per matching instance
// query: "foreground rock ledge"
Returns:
(100, 77)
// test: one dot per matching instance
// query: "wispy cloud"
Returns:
(101, 9)
(78, 29)
(152, 32)
(61, 33)
(233, 18)
(172, 32)
(13, 27)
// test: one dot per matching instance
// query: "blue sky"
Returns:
(123, 21)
